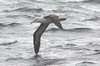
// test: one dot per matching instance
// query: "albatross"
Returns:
(45, 21)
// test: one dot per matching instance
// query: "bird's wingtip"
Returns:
(36, 53)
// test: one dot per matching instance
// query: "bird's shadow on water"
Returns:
(39, 61)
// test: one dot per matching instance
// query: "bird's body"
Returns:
(45, 21)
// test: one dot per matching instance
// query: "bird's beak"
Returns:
(32, 21)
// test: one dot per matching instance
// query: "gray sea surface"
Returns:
(77, 45)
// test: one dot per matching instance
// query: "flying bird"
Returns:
(45, 21)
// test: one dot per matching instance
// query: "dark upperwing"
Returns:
(56, 20)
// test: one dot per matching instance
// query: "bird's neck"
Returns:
(40, 20)
(43, 20)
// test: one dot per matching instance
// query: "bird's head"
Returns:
(35, 20)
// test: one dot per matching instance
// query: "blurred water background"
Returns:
(77, 45)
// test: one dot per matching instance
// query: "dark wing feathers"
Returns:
(37, 36)
(56, 21)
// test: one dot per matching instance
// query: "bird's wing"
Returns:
(37, 36)
(56, 21)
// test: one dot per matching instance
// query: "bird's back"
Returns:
(48, 20)
(45, 20)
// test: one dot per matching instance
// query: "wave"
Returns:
(87, 62)
(25, 9)
(16, 16)
(19, 58)
(60, 0)
(12, 1)
(32, 1)
(2, 25)
(97, 1)
(95, 18)
(71, 0)
(74, 29)
(14, 24)
(9, 43)
(11, 24)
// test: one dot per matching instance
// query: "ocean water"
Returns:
(77, 45)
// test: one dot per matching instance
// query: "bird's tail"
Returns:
(62, 19)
